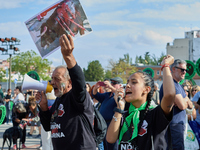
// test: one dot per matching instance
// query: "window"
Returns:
(158, 72)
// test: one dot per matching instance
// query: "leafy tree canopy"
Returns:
(149, 59)
(122, 68)
(108, 74)
(2, 75)
(95, 72)
(28, 61)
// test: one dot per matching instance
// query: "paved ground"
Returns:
(32, 144)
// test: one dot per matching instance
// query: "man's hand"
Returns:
(67, 46)
(96, 86)
(168, 60)
(108, 85)
(182, 103)
(190, 104)
(42, 99)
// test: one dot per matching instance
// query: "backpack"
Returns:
(98, 131)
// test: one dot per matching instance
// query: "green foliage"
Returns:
(2, 75)
(149, 60)
(122, 68)
(28, 61)
(161, 58)
(108, 74)
(95, 72)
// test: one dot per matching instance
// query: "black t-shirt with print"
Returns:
(8, 97)
(68, 131)
(20, 116)
(153, 130)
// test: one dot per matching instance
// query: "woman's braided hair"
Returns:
(148, 81)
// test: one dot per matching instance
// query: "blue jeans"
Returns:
(8, 113)
(109, 146)
(101, 147)
(177, 136)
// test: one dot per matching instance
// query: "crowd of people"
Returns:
(22, 111)
(139, 115)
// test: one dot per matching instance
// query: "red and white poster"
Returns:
(64, 17)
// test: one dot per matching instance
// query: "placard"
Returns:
(64, 17)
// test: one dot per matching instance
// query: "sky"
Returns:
(119, 27)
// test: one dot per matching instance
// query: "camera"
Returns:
(101, 83)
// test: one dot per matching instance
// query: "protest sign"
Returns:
(63, 17)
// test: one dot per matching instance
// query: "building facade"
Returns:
(187, 48)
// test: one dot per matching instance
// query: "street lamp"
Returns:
(9, 43)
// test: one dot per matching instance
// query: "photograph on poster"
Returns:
(63, 17)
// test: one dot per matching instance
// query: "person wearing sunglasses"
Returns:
(187, 92)
(182, 101)
(194, 90)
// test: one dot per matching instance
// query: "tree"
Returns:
(108, 74)
(149, 60)
(2, 75)
(127, 59)
(122, 68)
(136, 59)
(139, 60)
(28, 61)
(154, 60)
(95, 72)
(157, 61)
(161, 58)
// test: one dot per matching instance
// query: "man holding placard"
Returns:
(63, 119)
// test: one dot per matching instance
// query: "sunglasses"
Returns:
(194, 90)
(114, 82)
(182, 70)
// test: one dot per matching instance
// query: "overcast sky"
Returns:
(119, 27)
